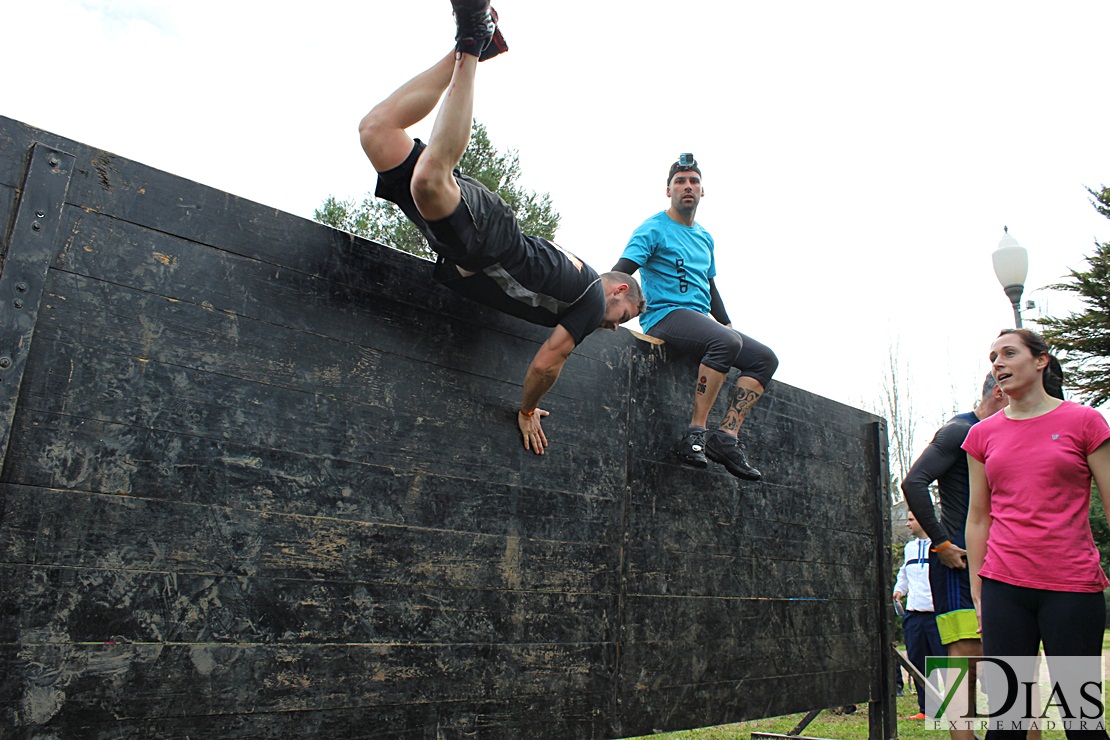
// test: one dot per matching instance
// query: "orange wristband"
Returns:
(946, 543)
(528, 414)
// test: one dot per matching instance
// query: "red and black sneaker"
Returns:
(475, 23)
(497, 43)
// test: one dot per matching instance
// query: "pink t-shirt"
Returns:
(1040, 536)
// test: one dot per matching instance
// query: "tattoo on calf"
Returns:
(701, 385)
(739, 404)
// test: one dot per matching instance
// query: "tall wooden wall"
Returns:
(262, 479)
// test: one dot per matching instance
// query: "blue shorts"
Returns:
(952, 603)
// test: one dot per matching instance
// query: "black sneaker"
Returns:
(475, 24)
(497, 43)
(732, 457)
(691, 450)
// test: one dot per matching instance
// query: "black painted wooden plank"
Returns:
(572, 716)
(9, 196)
(777, 443)
(76, 605)
(28, 248)
(66, 452)
(367, 313)
(130, 192)
(883, 708)
(165, 203)
(658, 619)
(76, 529)
(665, 489)
(672, 527)
(389, 427)
(141, 325)
(142, 681)
(714, 660)
(659, 572)
(773, 442)
(16, 140)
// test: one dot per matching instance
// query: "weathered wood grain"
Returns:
(8, 199)
(147, 681)
(175, 276)
(61, 604)
(70, 528)
(562, 716)
(112, 458)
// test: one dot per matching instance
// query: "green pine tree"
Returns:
(1083, 339)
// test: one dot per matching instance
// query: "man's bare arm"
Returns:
(541, 375)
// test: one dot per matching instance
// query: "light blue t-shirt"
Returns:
(676, 263)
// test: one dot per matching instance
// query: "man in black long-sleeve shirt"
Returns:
(945, 462)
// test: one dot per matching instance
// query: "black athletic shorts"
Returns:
(480, 231)
(524, 276)
(719, 347)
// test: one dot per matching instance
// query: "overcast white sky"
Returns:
(860, 159)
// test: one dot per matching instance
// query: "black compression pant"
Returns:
(1017, 620)
(720, 348)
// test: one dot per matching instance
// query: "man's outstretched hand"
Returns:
(530, 428)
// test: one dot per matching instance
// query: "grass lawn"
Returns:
(853, 726)
(839, 727)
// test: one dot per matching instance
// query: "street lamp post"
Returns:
(1011, 265)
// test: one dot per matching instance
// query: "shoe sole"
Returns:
(693, 462)
(737, 473)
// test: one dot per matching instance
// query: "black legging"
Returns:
(719, 347)
(1017, 620)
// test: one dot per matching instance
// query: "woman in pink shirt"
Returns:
(1035, 573)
